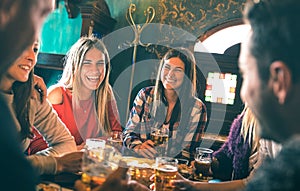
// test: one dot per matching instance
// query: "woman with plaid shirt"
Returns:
(172, 104)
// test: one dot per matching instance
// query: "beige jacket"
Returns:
(60, 141)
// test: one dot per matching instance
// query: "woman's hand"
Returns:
(70, 162)
(40, 87)
(146, 149)
(81, 146)
(183, 184)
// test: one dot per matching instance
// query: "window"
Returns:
(223, 39)
(220, 88)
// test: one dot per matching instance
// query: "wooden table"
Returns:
(65, 180)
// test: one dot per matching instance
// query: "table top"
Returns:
(64, 180)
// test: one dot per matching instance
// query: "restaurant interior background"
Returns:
(199, 18)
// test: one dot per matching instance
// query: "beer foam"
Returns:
(203, 161)
(167, 168)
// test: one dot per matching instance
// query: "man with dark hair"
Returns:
(20, 23)
(270, 65)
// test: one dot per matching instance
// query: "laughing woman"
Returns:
(171, 104)
(16, 87)
(83, 98)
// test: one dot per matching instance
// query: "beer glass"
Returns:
(99, 160)
(116, 140)
(203, 159)
(140, 169)
(160, 137)
(165, 171)
(184, 169)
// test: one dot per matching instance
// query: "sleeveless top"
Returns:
(65, 113)
(87, 117)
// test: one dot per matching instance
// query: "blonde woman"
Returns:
(83, 97)
(238, 158)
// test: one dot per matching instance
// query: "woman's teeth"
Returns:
(170, 80)
(93, 77)
(25, 67)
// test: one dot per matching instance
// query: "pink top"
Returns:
(86, 118)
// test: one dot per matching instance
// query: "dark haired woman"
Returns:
(171, 104)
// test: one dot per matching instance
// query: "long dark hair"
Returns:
(187, 89)
(22, 93)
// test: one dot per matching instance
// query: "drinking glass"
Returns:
(99, 160)
(184, 169)
(140, 169)
(116, 140)
(203, 159)
(165, 171)
(160, 137)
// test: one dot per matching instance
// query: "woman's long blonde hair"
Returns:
(71, 77)
(250, 128)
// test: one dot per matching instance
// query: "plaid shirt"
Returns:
(183, 138)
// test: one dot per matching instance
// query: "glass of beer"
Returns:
(203, 159)
(184, 169)
(116, 140)
(160, 137)
(165, 171)
(140, 169)
(99, 160)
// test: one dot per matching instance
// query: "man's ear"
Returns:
(280, 80)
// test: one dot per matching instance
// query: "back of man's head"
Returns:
(276, 29)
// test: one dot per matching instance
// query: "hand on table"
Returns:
(70, 162)
(182, 183)
(146, 149)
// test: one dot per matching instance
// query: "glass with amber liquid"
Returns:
(116, 140)
(160, 139)
(165, 171)
(140, 169)
(99, 160)
(203, 159)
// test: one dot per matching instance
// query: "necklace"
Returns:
(85, 105)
